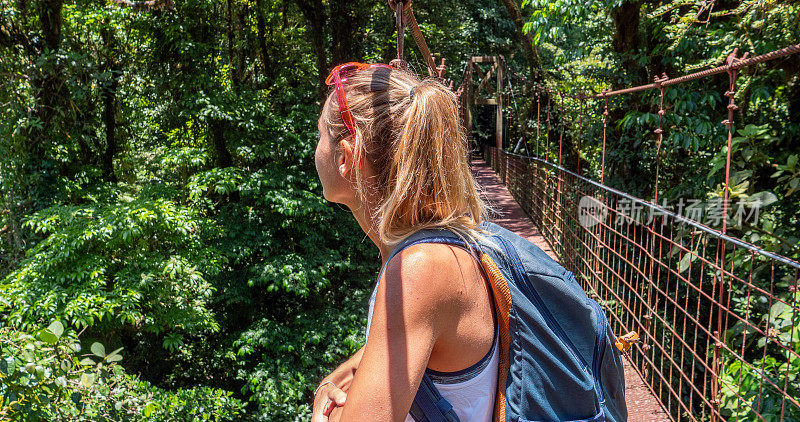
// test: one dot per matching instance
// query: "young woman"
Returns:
(391, 148)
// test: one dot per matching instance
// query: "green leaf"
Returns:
(115, 352)
(791, 163)
(740, 176)
(762, 198)
(11, 364)
(148, 410)
(98, 350)
(56, 328)
(48, 337)
(114, 356)
(715, 167)
(87, 361)
(87, 380)
(686, 261)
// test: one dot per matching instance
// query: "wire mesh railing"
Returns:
(719, 318)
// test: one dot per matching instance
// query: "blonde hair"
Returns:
(410, 132)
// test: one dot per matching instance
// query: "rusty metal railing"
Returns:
(719, 318)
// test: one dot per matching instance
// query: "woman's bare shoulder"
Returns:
(427, 272)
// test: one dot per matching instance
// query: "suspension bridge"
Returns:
(709, 308)
(717, 317)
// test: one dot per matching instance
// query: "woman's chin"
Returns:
(330, 198)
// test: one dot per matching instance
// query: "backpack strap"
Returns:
(502, 302)
(430, 406)
(429, 236)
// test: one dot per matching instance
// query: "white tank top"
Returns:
(470, 391)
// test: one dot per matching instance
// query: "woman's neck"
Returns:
(369, 225)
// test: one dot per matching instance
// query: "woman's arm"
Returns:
(341, 377)
(413, 306)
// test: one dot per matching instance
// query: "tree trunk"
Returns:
(241, 48)
(232, 60)
(216, 128)
(626, 38)
(261, 27)
(49, 85)
(109, 96)
(531, 55)
(791, 66)
(49, 88)
(626, 43)
(342, 31)
(314, 14)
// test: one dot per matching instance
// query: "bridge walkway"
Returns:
(642, 404)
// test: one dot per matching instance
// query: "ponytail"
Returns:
(410, 131)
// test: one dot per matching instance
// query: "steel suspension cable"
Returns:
(735, 65)
(404, 17)
(538, 110)
(605, 126)
(514, 101)
(580, 133)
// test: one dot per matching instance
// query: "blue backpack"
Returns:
(558, 360)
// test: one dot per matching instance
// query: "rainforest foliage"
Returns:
(165, 250)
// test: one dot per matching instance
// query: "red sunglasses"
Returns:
(337, 76)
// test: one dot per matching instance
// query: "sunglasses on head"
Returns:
(338, 76)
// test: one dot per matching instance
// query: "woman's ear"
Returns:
(346, 158)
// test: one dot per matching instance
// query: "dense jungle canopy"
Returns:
(158, 192)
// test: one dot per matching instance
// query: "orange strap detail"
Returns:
(502, 300)
(625, 342)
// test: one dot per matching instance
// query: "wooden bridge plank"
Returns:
(483, 59)
(486, 101)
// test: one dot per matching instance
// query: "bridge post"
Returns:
(499, 123)
(468, 102)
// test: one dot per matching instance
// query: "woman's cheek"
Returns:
(317, 162)
(320, 166)
(325, 168)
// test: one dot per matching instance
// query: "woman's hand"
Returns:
(328, 398)
(333, 394)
